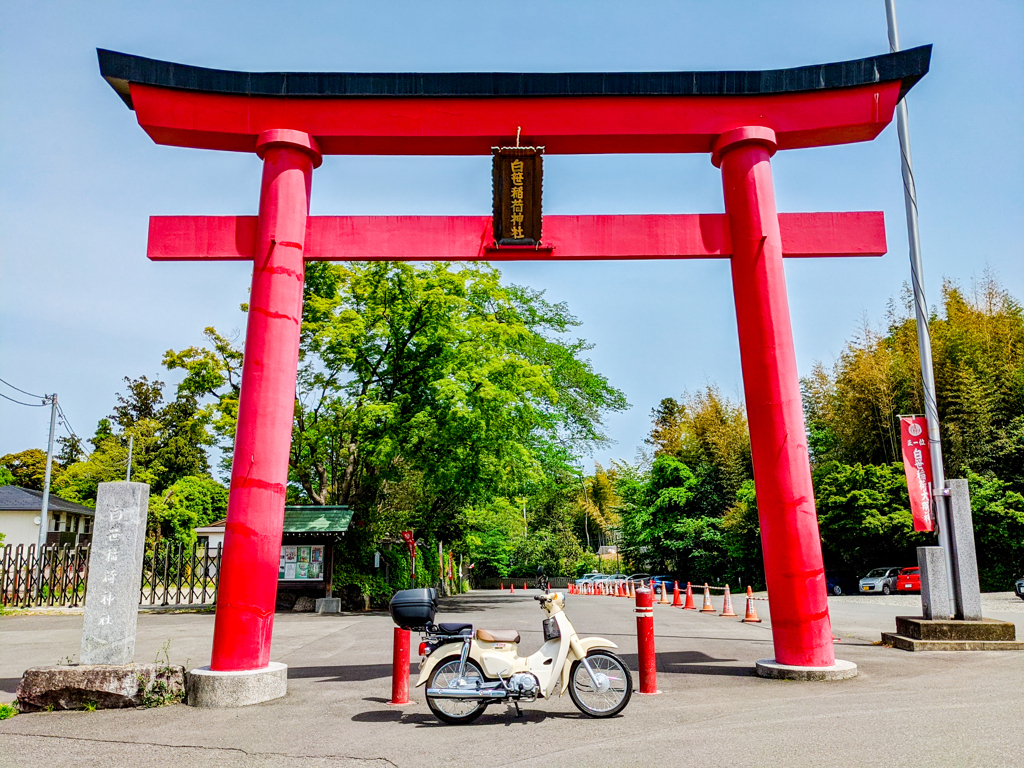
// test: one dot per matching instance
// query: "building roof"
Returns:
(122, 69)
(13, 497)
(314, 519)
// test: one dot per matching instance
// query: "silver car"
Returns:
(880, 580)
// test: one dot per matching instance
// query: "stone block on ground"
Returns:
(304, 603)
(965, 559)
(328, 605)
(105, 686)
(935, 602)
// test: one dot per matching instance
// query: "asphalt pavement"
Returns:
(903, 709)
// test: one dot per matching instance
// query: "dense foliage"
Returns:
(693, 510)
(436, 398)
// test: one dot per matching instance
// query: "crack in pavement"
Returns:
(198, 746)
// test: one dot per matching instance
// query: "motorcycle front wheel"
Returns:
(614, 685)
(455, 711)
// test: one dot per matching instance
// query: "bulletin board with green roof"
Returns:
(307, 545)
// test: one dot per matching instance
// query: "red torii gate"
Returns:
(290, 120)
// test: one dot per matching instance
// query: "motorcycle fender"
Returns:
(587, 644)
(441, 652)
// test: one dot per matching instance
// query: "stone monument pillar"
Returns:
(115, 572)
(107, 675)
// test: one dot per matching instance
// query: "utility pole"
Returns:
(586, 512)
(924, 344)
(131, 444)
(44, 517)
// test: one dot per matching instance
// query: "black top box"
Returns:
(414, 608)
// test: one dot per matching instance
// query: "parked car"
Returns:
(657, 583)
(587, 578)
(1019, 588)
(610, 579)
(640, 579)
(909, 580)
(840, 583)
(880, 580)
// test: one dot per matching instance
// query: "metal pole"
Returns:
(131, 444)
(586, 512)
(924, 343)
(44, 522)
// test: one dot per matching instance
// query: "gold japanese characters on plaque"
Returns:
(518, 180)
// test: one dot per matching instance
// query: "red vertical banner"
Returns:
(917, 464)
(410, 542)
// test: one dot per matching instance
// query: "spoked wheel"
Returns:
(455, 711)
(614, 685)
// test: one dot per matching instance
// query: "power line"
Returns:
(29, 405)
(71, 431)
(30, 394)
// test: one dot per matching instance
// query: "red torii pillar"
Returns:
(742, 118)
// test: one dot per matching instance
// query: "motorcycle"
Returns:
(466, 671)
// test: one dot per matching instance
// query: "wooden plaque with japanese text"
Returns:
(518, 182)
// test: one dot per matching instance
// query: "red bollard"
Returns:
(400, 668)
(645, 641)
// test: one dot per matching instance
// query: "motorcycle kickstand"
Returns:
(519, 712)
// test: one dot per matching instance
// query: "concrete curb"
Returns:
(841, 670)
(208, 688)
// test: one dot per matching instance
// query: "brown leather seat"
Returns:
(497, 636)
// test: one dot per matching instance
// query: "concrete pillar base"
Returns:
(208, 688)
(841, 670)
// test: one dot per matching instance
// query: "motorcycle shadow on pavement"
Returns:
(495, 715)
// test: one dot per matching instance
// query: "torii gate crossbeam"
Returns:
(291, 120)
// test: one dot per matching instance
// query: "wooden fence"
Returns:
(173, 574)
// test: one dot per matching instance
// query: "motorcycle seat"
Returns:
(497, 635)
(452, 628)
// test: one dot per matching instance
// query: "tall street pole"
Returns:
(924, 343)
(44, 522)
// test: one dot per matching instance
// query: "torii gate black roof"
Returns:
(121, 69)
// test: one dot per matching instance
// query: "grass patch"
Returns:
(7, 711)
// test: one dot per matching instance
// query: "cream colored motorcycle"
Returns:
(465, 671)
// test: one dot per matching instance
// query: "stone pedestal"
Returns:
(916, 633)
(841, 670)
(104, 686)
(328, 605)
(208, 688)
(935, 602)
(115, 573)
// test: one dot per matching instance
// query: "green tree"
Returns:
(864, 516)
(28, 469)
(998, 516)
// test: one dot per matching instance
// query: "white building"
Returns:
(20, 511)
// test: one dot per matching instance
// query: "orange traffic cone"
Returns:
(549, 586)
(707, 607)
(512, 587)
(677, 601)
(524, 586)
(751, 617)
(502, 587)
(664, 592)
(632, 590)
(727, 604)
(689, 606)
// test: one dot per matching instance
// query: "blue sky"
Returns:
(81, 307)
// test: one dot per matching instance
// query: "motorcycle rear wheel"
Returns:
(595, 703)
(453, 711)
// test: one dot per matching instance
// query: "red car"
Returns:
(909, 580)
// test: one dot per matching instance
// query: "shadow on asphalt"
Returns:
(493, 716)
(9, 684)
(347, 673)
(691, 663)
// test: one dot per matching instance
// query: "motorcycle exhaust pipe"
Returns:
(476, 694)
